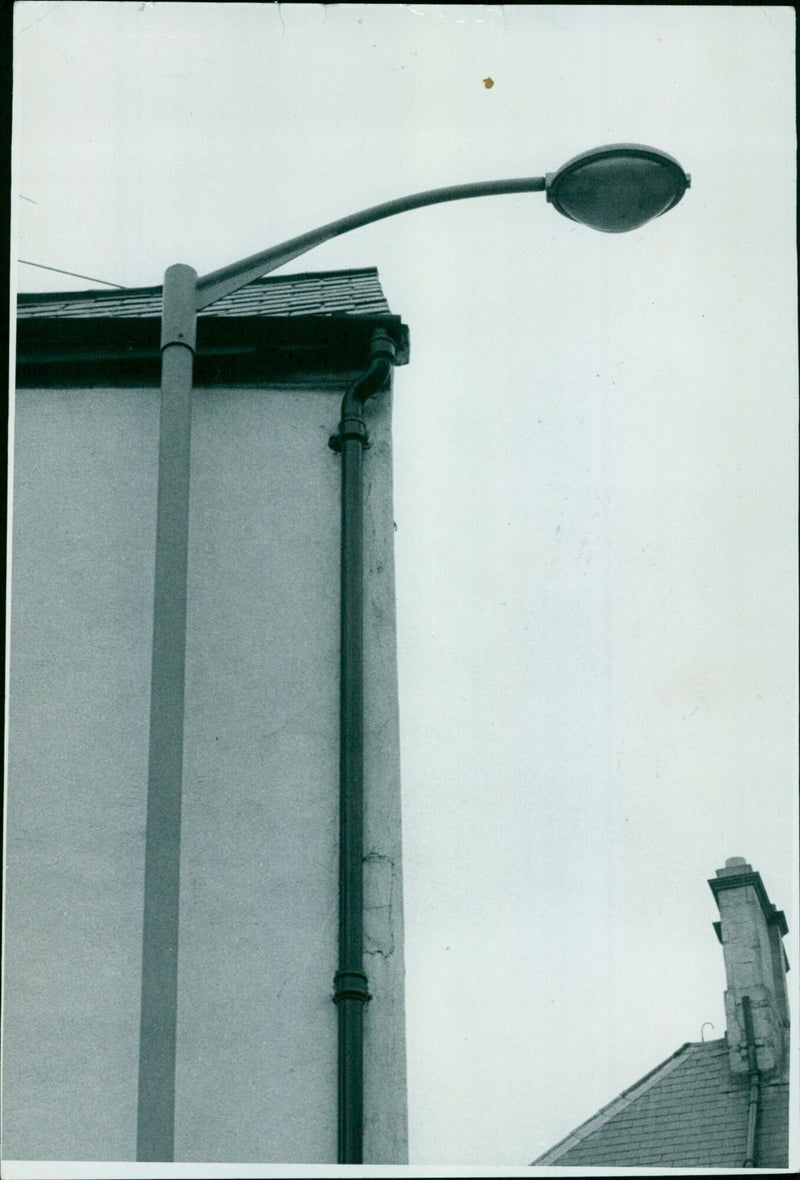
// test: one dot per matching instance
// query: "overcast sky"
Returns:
(595, 471)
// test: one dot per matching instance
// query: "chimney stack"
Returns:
(751, 931)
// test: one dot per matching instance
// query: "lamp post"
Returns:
(613, 189)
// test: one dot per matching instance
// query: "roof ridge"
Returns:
(624, 1099)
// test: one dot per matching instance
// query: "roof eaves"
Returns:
(58, 350)
(623, 1100)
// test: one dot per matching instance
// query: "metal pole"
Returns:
(159, 997)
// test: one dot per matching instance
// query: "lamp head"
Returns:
(618, 187)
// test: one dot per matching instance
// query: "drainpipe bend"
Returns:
(352, 425)
(755, 1084)
(351, 989)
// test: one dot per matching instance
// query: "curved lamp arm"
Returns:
(230, 278)
(614, 189)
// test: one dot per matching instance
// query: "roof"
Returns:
(687, 1112)
(293, 327)
(340, 292)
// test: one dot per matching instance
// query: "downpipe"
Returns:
(351, 989)
(755, 1084)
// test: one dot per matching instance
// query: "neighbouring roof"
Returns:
(341, 292)
(687, 1112)
(291, 327)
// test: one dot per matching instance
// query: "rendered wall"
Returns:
(256, 1066)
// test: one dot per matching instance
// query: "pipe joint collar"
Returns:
(350, 985)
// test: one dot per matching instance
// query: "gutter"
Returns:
(351, 990)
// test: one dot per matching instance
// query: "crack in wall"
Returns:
(378, 904)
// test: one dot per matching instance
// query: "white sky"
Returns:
(595, 467)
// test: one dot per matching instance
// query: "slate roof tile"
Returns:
(686, 1113)
(346, 292)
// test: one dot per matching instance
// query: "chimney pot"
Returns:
(734, 867)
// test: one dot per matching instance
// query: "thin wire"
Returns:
(89, 278)
(35, 22)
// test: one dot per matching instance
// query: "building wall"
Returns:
(256, 1067)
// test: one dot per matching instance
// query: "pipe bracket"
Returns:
(350, 428)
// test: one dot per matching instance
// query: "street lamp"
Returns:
(613, 189)
(617, 188)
